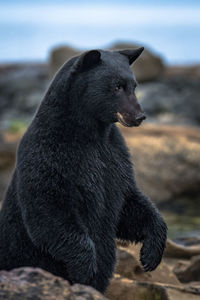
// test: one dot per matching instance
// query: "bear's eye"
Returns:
(118, 87)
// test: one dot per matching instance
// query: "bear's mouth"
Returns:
(131, 123)
(121, 120)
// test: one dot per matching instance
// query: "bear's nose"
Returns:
(140, 117)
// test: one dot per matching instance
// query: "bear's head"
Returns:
(101, 87)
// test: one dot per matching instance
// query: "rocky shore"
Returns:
(166, 155)
(172, 280)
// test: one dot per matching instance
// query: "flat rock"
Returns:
(188, 241)
(128, 266)
(175, 250)
(126, 289)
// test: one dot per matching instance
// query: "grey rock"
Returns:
(33, 283)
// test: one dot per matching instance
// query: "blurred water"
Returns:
(182, 225)
(28, 33)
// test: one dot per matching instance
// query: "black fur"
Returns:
(73, 189)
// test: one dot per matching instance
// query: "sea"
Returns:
(29, 31)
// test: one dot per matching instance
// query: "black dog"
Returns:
(73, 189)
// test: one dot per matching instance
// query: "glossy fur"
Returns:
(73, 189)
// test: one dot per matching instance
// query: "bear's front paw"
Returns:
(153, 248)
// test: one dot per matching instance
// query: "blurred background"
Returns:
(37, 37)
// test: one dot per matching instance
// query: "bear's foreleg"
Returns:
(140, 221)
(58, 232)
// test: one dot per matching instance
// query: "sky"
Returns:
(30, 29)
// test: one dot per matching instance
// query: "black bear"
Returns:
(73, 190)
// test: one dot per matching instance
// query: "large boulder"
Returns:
(58, 56)
(33, 283)
(148, 67)
(167, 163)
(188, 71)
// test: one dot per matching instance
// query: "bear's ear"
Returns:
(132, 55)
(88, 60)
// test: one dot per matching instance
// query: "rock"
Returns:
(167, 163)
(191, 71)
(188, 241)
(187, 272)
(149, 65)
(171, 101)
(129, 267)
(22, 88)
(175, 250)
(125, 289)
(34, 283)
(58, 56)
